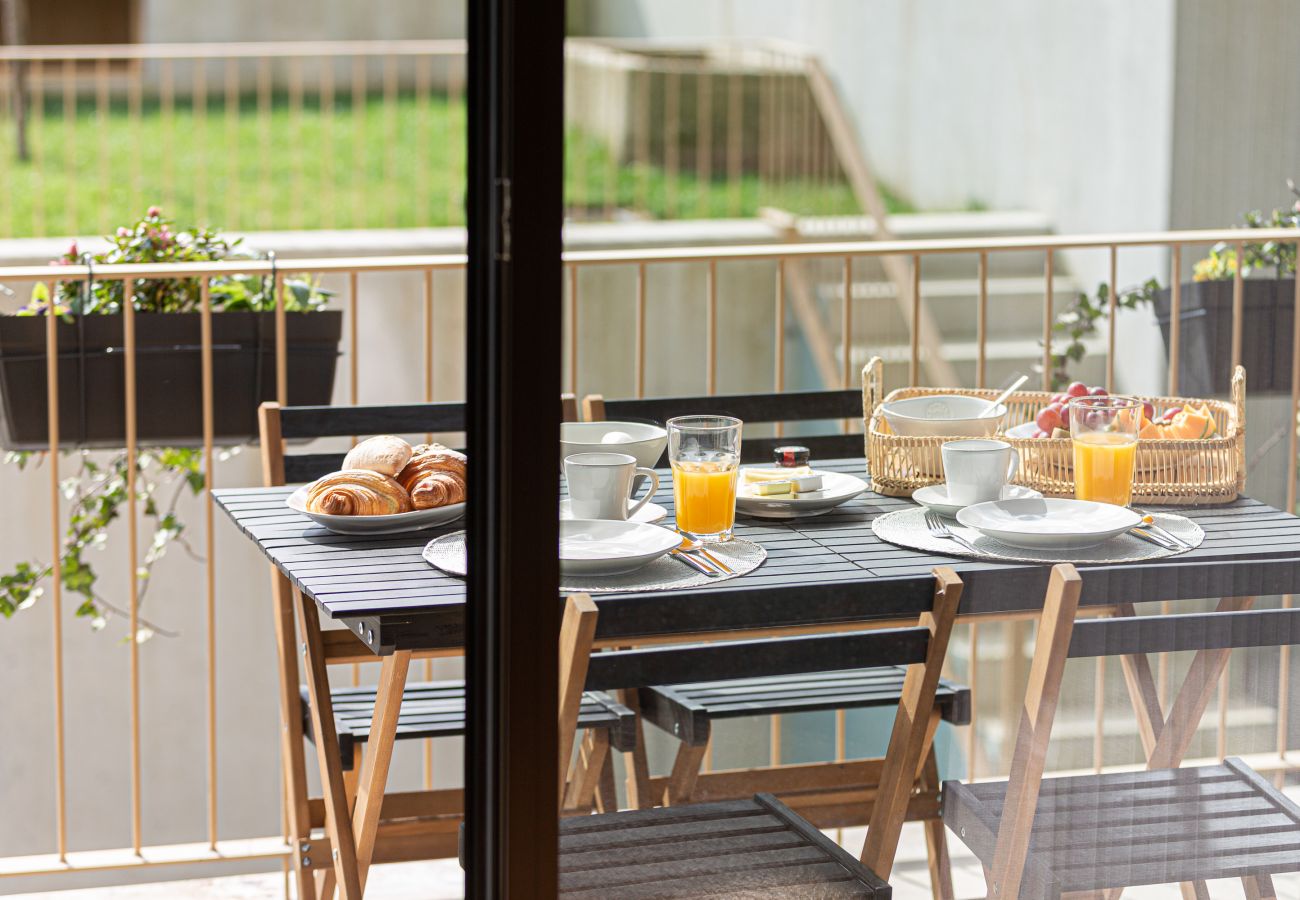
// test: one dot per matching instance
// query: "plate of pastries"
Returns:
(387, 486)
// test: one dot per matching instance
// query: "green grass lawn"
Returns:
(402, 166)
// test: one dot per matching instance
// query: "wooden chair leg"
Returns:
(337, 818)
(936, 836)
(587, 771)
(577, 631)
(913, 726)
(378, 758)
(606, 791)
(637, 781)
(1050, 652)
(293, 752)
(686, 771)
(1259, 887)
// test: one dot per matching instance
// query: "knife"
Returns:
(1152, 539)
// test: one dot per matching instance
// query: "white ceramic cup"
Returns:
(600, 485)
(976, 471)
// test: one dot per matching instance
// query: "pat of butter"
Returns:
(757, 474)
(767, 488)
(807, 483)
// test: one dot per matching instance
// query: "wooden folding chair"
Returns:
(757, 845)
(829, 794)
(414, 825)
(1098, 834)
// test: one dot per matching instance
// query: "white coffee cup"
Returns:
(976, 471)
(600, 485)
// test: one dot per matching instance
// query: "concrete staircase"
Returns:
(950, 291)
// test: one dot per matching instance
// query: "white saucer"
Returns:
(648, 514)
(608, 547)
(397, 523)
(1049, 523)
(837, 488)
(935, 497)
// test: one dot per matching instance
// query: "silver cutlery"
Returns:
(690, 545)
(1149, 522)
(940, 530)
(679, 554)
(1153, 539)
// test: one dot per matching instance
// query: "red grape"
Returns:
(1077, 389)
(1049, 417)
(1148, 409)
(1099, 392)
(1065, 415)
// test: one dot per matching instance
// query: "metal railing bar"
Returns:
(1175, 314)
(1048, 286)
(264, 130)
(166, 108)
(1111, 328)
(209, 541)
(1293, 448)
(69, 77)
(846, 323)
(1237, 305)
(572, 273)
(390, 129)
(295, 154)
(640, 329)
(325, 265)
(711, 330)
(231, 109)
(200, 112)
(128, 341)
(982, 322)
(101, 126)
(36, 82)
(281, 343)
(914, 352)
(56, 580)
(358, 100)
(325, 100)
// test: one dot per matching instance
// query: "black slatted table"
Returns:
(820, 571)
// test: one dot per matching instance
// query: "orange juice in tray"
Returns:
(1105, 432)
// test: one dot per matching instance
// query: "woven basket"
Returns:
(1177, 472)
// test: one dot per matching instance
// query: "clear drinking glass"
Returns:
(704, 452)
(1105, 432)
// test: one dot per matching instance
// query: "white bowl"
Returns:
(646, 442)
(610, 547)
(1049, 523)
(943, 415)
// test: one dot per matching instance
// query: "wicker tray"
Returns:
(1178, 472)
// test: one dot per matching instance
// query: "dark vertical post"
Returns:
(514, 213)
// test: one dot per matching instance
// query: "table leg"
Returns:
(378, 758)
(293, 760)
(337, 820)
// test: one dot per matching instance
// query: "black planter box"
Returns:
(169, 376)
(1205, 360)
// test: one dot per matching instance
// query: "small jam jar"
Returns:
(791, 456)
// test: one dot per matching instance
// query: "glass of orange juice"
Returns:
(704, 452)
(1105, 433)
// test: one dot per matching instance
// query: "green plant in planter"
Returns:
(1080, 320)
(96, 489)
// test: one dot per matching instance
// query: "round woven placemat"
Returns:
(907, 528)
(664, 574)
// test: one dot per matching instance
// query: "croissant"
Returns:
(357, 492)
(435, 476)
(385, 454)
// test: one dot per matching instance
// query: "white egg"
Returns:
(617, 437)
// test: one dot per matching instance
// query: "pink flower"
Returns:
(72, 249)
(153, 212)
(124, 232)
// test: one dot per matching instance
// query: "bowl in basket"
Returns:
(644, 441)
(943, 415)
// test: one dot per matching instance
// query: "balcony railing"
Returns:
(433, 340)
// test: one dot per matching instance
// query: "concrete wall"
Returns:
(261, 20)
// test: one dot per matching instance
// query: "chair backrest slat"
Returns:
(1126, 635)
(339, 421)
(753, 409)
(770, 656)
(790, 406)
(310, 466)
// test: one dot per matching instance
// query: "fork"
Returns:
(940, 530)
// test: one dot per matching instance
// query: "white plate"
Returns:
(1049, 523)
(607, 547)
(837, 488)
(417, 520)
(935, 497)
(649, 514)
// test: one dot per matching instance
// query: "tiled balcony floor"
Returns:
(441, 880)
